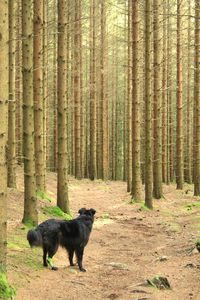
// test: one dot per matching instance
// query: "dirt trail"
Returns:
(124, 249)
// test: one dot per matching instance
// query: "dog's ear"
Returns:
(82, 211)
(93, 211)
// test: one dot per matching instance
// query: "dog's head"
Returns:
(87, 212)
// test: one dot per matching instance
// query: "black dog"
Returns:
(73, 235)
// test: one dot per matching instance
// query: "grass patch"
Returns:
(57, 212)
(105, 216)
(42, 195)
(192, 205)
(6, 290)
(143, 207)
(174, 227)
(159, 282)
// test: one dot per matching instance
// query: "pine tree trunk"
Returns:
(179, 129)
(164, 99)
(169, 98)
(4, 92)
(18, 84)
(113, 129)
(62, 186)
(77, 109)
(30, 200)
(188, 158)
(45, 122)
(148, 108)
(38, 94)
(82, 104)
(93, 170)
(129, 103)
(136, 177)
(157, 129)
(11, 153)
(196, 145)
(103, 94)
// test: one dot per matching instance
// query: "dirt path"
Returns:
(124, 249)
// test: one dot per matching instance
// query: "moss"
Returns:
(143, 207)
(29, 223)
(6, 290)
(134, 201)
(192, 205)
(44, 196)
(57, 212)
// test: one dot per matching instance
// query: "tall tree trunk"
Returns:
(38, 94)
(157, 158)
(11, 153)
(136, 175)
(30, 200)
(18, 84)
(45, 88)
(113, 128)
(164, 98)
(196, 166)
(62, 186)
(188, 158)
(103, 94)
(77, 109)
(55, 125)
(4, 92)
(148, 108)
(169, 97)
(82, 104)
(179, 129)
(93, 170)
(129, 102)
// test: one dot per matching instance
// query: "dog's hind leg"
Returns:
(79, 254)
(51, 253)
(45, 257)
(71, 255)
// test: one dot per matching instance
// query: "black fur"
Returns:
(72, 235)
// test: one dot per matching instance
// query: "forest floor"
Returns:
(128, 245)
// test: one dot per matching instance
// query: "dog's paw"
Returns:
(54, 268)
(83, 270)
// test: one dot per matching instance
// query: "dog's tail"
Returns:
(34, 238)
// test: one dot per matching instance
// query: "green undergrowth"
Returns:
(143, 207)
(105, 216)
(6, 290)
(192, 205)
(20, 253)
(42, 195)
(174, 227)
(57, 212)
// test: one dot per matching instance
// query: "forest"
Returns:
(100, 108)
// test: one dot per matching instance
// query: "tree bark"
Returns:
(148, 108)
(136, 172)
(179, 127)
(196, 166)
(30, 200)
(157, 129)
(11, 152)
(4, 92)
(62, 186)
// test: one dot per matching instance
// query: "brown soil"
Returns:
(127, 246)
